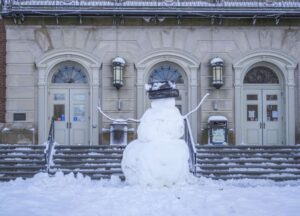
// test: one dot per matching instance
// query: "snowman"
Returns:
(159, 156)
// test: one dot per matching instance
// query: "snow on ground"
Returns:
(70, 196)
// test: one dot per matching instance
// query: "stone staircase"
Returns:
(101, 161)
(21, 161)
(278, 163)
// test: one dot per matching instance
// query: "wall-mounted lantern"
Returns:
(118, 66)
(217, 72)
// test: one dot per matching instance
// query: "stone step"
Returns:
(247, 172)
(82, 157)
(18, 173)
(18, 156)
(85, 151)
(21, 146)
(274, 178)
(262, 166)
(73, 162)
(246, 156)
(99, 177)
(247, 146)
(252, 151)
(13, 162)
(70, 147)
(22, 167)
(93, 172)
(17, 151)
(97, 166)
(248, 160)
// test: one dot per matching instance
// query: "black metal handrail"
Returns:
(188, 137)
(50, 144)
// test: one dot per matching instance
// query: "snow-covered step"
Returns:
(248, 172)
(257, 156)
(231, 162)
(21, 161)
(239, 147)
(261, 166)
(87, 157)
(88, 166)
(274, 178)
(96, 162)
(87, 151)
(246, 161)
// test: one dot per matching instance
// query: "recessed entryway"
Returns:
(68, 89)
(264, 90)
(69, 104)
(262, 110)
(69, 108)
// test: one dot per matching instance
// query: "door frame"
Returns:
(69, 88)
(249, 88)
(45, 65)
(284, 66)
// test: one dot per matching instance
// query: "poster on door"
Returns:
(79, 113)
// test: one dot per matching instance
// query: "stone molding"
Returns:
(45, 64)
(187, 62)
(284, 65)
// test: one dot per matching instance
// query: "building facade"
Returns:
(58, 63)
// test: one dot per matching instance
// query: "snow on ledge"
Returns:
(217, 118)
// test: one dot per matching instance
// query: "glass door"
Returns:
(70, 110)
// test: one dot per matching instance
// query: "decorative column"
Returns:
(290, 106)
(237, 105)
(94, 97)
(140, 93)
(193, 102)
(42, 108)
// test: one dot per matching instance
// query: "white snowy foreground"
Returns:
(69, 196)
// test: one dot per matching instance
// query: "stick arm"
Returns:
(116, 120)
(194, 110)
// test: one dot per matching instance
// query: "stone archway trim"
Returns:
(44, 66)
(187, 62)
(287, 66)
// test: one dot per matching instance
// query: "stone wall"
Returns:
(26, 43)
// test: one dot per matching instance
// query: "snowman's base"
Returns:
(156, 163)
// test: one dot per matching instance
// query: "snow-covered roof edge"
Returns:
(133, 7)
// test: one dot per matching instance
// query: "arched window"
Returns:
(69, 72)
(166, 72)
(259, 75)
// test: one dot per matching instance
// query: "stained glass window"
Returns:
(69, 73)
(166, 72)
(259, 75)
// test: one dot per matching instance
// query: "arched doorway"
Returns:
(47, 65)
(263, 110)
(168, 71)
(284, 66)
(68, 102)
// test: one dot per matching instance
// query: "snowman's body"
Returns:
(159, 156)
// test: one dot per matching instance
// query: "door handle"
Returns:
(264, 125)
(260, 125)
(69, 125)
